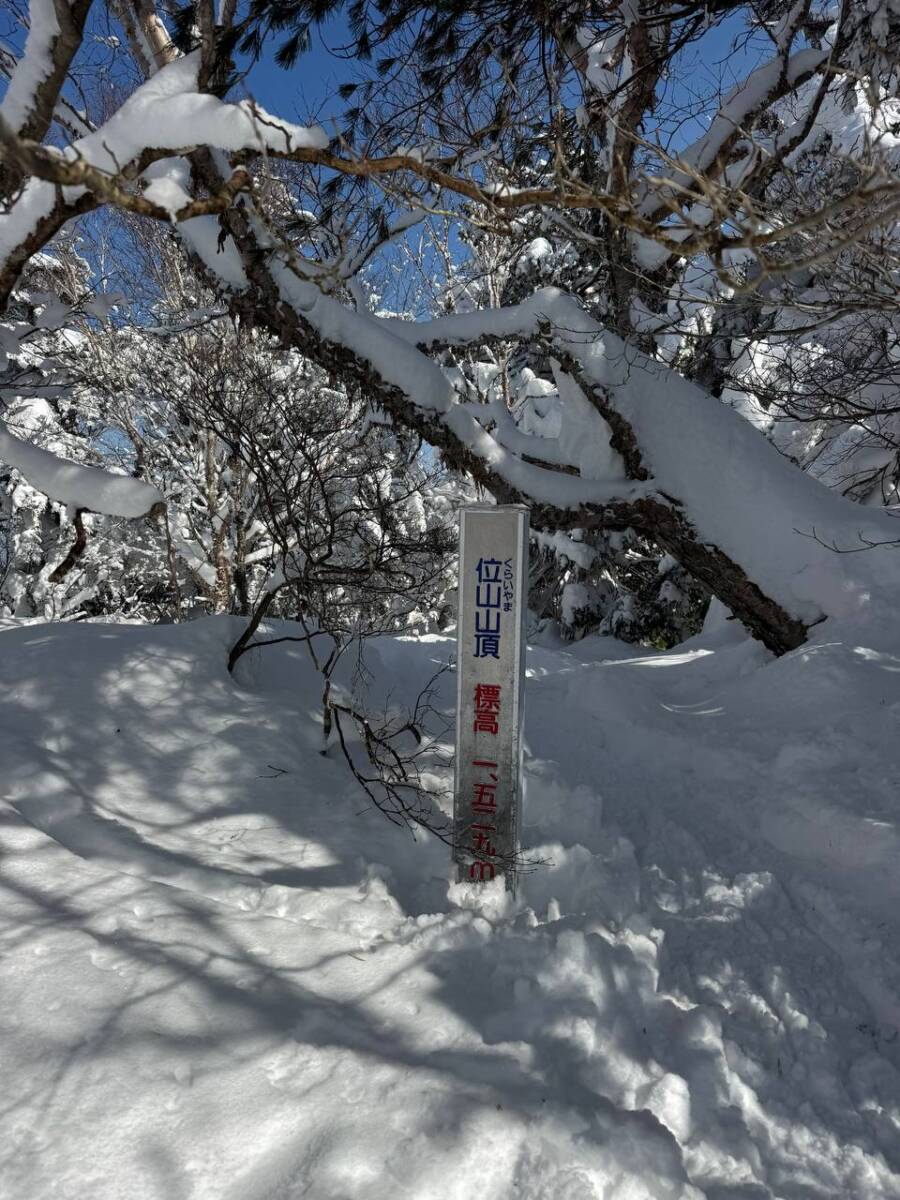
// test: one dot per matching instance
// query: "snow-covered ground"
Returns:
(225, 978)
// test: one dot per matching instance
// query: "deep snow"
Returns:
(224, 977)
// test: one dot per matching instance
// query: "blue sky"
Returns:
(309, 89)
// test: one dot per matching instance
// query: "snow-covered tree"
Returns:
(283, 492)
(681, 213)
(62, 559)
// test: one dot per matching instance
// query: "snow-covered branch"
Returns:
(54, 36)
(704, 484)
(760, 89)
(79, 487)
(641, 448)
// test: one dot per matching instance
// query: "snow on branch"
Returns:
(169, 115)
(33, 97)
(699, 479)
(35, 66)
(733, 487)
(389, 347)
(79, 487)
(166, 114)
(766, 84)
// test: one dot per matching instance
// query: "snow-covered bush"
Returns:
(281, 488)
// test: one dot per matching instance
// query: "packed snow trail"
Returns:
(224, 977)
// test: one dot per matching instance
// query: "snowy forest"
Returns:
(286, 287)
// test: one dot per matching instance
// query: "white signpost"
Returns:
(493, 597)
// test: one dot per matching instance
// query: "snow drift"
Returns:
(224, 977)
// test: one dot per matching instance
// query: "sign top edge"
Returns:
(494, 508)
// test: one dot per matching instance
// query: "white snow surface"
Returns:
(225, 978)
(78, 486)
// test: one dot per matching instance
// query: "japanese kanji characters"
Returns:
(488, 571)
(490, 642)
(487, 708)
(488, 596)
(487, 645)
(484, 798)
(484, 806)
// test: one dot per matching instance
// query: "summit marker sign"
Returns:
(493, 587)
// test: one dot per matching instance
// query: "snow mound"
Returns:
(225, 977)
